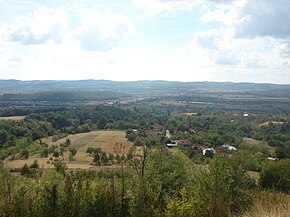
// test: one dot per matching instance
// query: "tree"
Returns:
(25, 171)
(227, 182)
(62, 151)
(182, 127)
(67, 142)
(138, 142)
(44, 152)
(96, 153)
(118, 158)
(55, 154)
(25, 153)
(276, 174)
(104, 158)
(72, 153)
(3, 137)
(131, 135)
(60, 167)
(34, 165)
(30, 171)
(111, 157)
(167, 169)
(283, 151)
(139, 162)
(102, 123)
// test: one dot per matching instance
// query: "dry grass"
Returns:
(257, 145)
(252, 141)
(189, 113)
(79, 164)
(19, 163)
(268, 123)
(269, 204)
(110, 141)
(13, 118)
(255, 175)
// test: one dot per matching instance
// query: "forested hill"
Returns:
(146, 87)
(64, 96)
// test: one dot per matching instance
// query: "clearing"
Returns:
(114, 142)
(271, 122)
(13, 118)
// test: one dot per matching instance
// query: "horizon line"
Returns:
(146, 80)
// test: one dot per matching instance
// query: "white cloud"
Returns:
(43, 25)
(255, 36)
(167, 6)
(103, 30)
(227, 58)
(264, 18)
(65, 32)
(208, 39)
(220, 38)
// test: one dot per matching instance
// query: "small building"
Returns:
(229, 147)
(172, 144)
(208, 152)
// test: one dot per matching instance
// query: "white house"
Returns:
(229, 147)
(208, 151)
(172, 144)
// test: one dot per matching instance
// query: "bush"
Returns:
(276, 175)
(25, 153)
(44, 152)
(30, 171)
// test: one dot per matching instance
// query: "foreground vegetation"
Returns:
(148, 178)
(168, 186)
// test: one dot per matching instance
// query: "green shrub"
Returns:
(276, 175)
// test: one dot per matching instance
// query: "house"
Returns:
(172, 144)
(208, 152)
(229, 147)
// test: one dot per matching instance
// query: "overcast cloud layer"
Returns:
(183, 40)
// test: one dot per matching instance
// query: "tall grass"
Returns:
(268, 204)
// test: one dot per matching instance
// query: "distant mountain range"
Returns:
(107, 84)
(145, 87)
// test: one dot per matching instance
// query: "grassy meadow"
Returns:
(113, 142)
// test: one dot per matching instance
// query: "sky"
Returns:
(174, 40)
